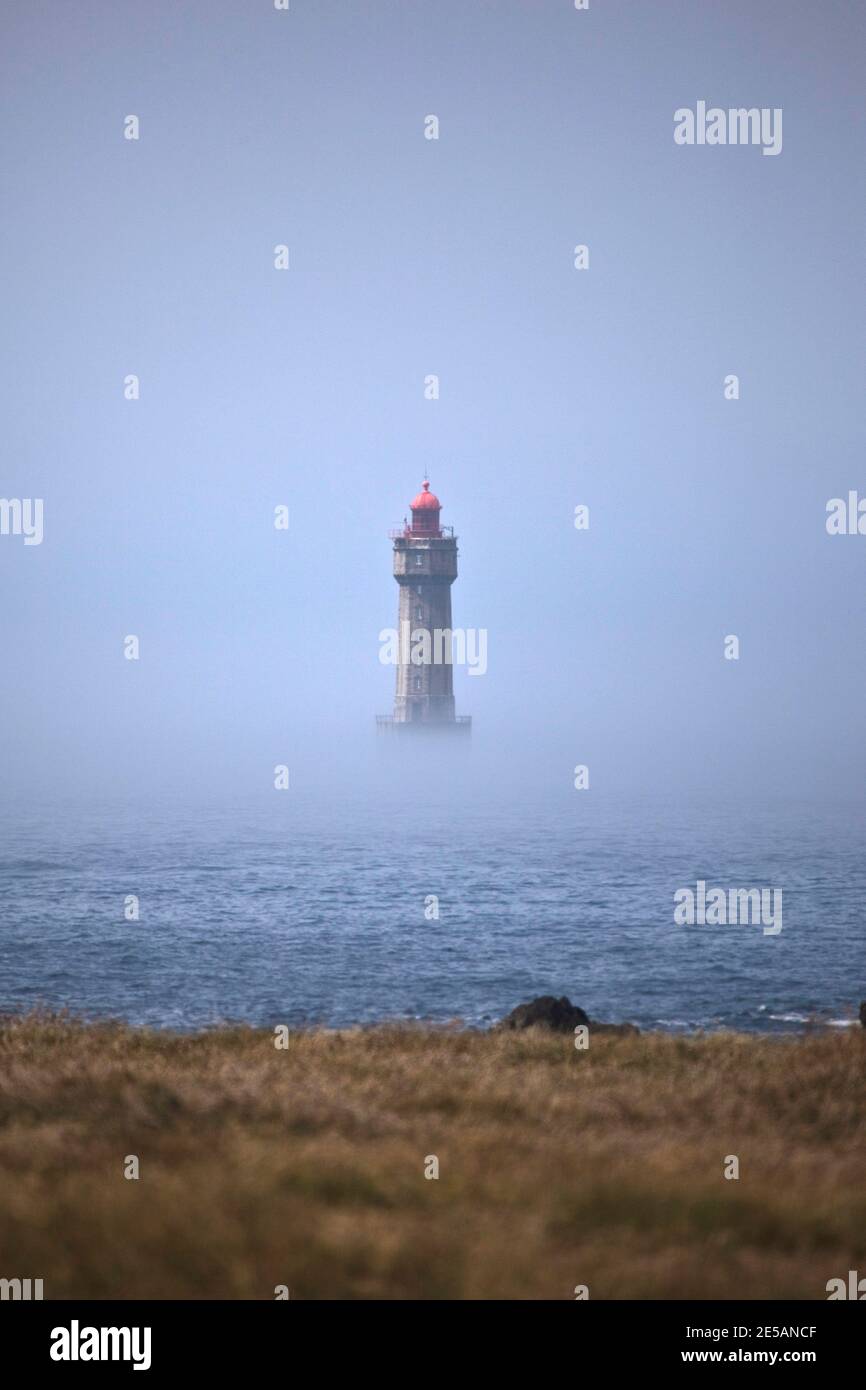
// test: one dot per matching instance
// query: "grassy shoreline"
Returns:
(305, 1167)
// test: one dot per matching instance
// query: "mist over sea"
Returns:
(312, 911)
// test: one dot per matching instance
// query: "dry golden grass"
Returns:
(305, 1167)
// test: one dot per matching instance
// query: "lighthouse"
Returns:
(425, 567)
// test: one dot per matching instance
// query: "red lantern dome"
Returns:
(425, 513)
(426, 499)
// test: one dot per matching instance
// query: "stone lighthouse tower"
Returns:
(425, 567)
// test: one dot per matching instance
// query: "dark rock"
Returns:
(559, 1016)
(863, 1012)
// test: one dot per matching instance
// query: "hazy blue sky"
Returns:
(558, 387)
